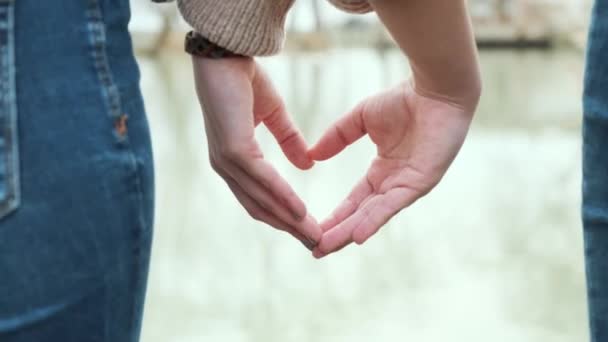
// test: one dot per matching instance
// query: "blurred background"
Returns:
(493, 253)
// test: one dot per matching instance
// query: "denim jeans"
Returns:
(76, 177)
(595, 172)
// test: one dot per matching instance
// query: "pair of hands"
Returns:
(417, 138)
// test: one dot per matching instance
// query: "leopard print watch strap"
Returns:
(197, 45)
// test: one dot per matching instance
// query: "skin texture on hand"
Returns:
(236, 96)
(418, 127)
(417, 138)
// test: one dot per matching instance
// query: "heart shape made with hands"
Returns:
(417, 138)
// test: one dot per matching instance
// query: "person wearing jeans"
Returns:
(76, 177)
(76, 167)
(595, 172)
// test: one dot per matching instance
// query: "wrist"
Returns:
(214, 67)
(464, 94)
(251, 28)
(197, 45)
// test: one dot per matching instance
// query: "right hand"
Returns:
(236, 95)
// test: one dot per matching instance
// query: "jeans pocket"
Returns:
(9, 155)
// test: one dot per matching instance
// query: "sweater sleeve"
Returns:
(246, 27)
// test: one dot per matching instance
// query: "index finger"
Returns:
(349, 205)
(380, 209)
(266, 175)
(367, 220)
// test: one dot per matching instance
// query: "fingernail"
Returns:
(297, 217)
(310, 245)
(310, 231)
(312, 242)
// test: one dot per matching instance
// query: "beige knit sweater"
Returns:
(248, 27)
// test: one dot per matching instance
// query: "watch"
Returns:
(197, 45)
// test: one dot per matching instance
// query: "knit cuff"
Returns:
(353, 6)
(250, 28)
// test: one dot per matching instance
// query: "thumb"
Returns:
(344, 132)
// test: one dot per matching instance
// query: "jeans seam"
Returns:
(97, 39)
(10, 128)
(112, 98)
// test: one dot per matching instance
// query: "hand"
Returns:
(236, 95)
(417, 138)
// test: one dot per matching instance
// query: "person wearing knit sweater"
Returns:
(76, 166)
(418, 126)
(251, 28)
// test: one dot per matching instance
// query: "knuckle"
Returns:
(275, 115)
(256, 213)
(231, 152)
(341, 135)
(238, 151)
(288, 135)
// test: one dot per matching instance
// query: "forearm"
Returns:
(437, 37)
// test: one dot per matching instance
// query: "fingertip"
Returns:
(299, 157)
(321, 247)
(316, 155)
(311, 163)
(309, 244)
(361, 235)
(311, 229)
(311, 153)
(317, 253)
(305, 164)
(317, 235)
(359, 239)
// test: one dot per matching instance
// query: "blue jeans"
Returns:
(595, 172)
(76, 177)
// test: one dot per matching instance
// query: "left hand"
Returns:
(417, 138)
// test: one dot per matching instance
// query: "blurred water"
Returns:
(493, 254)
